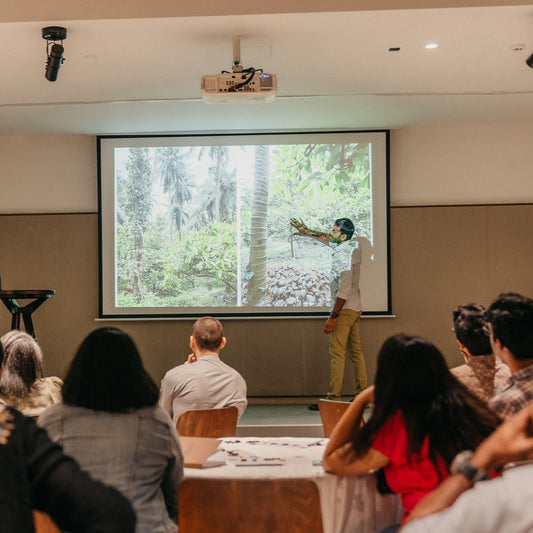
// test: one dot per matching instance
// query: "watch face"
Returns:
(462, 465)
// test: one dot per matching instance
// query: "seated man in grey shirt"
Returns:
(203, 381)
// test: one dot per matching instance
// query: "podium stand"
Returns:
(10, 299)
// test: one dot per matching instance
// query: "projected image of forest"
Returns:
(208, 226)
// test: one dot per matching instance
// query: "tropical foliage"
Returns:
(207, 226)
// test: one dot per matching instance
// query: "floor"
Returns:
(280, 420)
(283, 417)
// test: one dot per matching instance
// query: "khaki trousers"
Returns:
(346, 328)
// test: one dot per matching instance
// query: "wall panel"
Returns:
(441, 257)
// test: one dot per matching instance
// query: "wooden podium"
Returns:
(10, 299)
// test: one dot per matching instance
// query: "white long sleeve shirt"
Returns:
(345, 271)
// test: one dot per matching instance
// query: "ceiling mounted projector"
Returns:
(239, 86)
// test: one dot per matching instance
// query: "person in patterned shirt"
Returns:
(510, 326)
(483, 373)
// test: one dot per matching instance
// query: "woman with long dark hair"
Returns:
(22, 384)
(111, 424)
(422, 418)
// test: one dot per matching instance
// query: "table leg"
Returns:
(28, 324)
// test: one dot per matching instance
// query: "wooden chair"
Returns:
(246, 505)
(330, 413)
(43, 523)
(216, 422)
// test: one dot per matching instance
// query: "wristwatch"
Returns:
(333, 314)
(462, 465)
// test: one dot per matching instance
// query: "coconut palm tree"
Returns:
(176, 181)
(257, 266)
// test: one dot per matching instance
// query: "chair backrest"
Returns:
(43, 523)
(249, 505)
(330, 414)
(216, 422)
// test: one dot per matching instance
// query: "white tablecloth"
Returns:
(350, 504)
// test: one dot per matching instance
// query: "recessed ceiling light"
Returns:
(431, 46)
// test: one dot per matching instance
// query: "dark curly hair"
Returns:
(470, 328)
(346, 226)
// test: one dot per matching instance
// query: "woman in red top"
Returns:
(423, 416)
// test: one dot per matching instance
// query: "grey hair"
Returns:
(23, 363)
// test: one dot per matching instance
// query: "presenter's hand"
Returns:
(300, 227)
(190, 359)
(329, 326)
(303, 231)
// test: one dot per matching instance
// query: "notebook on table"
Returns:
(197, 452)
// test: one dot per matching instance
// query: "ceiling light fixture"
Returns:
(431, 46)
(54, 50)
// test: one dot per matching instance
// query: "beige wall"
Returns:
(430, 165)
(461, 165)
(441, 255)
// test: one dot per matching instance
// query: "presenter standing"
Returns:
(342, 324)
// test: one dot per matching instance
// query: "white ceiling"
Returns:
(334, 70)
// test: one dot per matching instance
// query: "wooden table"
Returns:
(10, 299)
(348, 503)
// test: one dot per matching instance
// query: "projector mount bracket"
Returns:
(237, 63)
(54, 33)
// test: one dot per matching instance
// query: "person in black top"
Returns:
(36, 474)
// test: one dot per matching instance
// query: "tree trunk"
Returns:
(258, 233)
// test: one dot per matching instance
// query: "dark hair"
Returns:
(107, 374)
(1, 353)
(22, 364)
(511, 318)
(412, 377)
(346, 226)
(208, 332)
(469, 325)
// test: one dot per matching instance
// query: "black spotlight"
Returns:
(529, 61)
(54, 51)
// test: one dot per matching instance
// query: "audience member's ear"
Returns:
(223, 343)
(463, 349)
(496, 345)
(192, 343)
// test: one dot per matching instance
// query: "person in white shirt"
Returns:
(468, 502)
(204, 381)
(343, 322)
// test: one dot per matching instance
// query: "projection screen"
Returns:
(194, 225)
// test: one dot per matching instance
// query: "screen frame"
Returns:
(155, 313)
